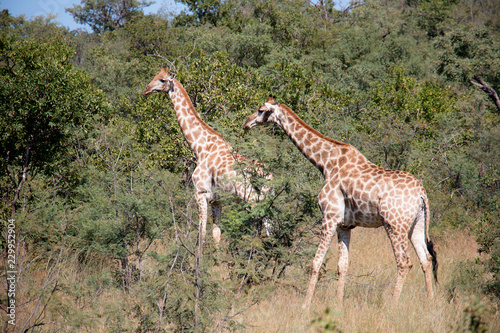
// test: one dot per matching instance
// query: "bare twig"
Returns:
(171, 64)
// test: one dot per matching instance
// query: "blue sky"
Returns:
(33, 8)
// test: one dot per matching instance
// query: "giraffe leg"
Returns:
(344, 237)
(326, 238)
(216, 233)
(268, 226)
(399, 242)
(202, 203)
(202, 181)
(418, 239)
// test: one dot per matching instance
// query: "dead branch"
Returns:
(488, 90)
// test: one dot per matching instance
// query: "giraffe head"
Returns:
(162, 82)
(265, 114)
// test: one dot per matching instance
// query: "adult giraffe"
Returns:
(358, 193)
(214, 156)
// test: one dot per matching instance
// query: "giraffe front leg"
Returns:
(327, 233)
(202, 204)
(344, 237)
(202, 181)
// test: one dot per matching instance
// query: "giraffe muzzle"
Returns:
(249, 123)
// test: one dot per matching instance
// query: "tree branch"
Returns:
(21, 181)
(488, 90)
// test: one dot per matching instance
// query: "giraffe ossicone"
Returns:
(358, 193)
(215, 158)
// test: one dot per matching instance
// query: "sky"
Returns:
(33, 8)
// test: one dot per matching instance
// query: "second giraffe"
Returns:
(358, 193)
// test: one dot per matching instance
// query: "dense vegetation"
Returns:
(97, 176)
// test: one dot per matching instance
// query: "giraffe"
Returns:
(357, 192)
(214, 156)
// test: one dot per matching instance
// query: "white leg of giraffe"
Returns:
(399, 242)
(216, 232)
(418, 239)
(327, 232)
(268, 226)
(202, 203)
(344, 237)
(202, 184)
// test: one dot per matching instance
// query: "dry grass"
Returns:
(372, 273)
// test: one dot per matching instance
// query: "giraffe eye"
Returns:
(163, 80)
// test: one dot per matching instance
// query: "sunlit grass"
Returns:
(367, 306)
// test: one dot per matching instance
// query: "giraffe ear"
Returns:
(172, 76)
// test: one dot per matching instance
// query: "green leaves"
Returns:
(44, 100)
(465, 53)
(107, 15)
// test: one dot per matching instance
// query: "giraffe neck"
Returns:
(196, 132)
(316, 147)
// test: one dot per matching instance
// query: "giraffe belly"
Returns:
(361, 215)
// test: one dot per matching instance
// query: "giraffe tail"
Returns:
(428, 242)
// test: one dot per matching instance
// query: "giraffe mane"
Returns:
(309, 128)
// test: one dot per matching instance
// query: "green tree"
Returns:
(204, 11)
(43, 100)
(465, 53)
(107, 15)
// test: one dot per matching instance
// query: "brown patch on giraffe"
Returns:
(196, 133)
(324, 155)
(343, 172)
(202, 140)
(300, 136)
(354, 173)
(341, 161)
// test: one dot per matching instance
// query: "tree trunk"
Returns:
(21, 182)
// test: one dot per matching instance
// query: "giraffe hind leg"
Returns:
(425, 252)
(399, 244)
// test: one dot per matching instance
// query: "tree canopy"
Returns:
(107, 15)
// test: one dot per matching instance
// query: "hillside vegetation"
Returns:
(96, 179)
